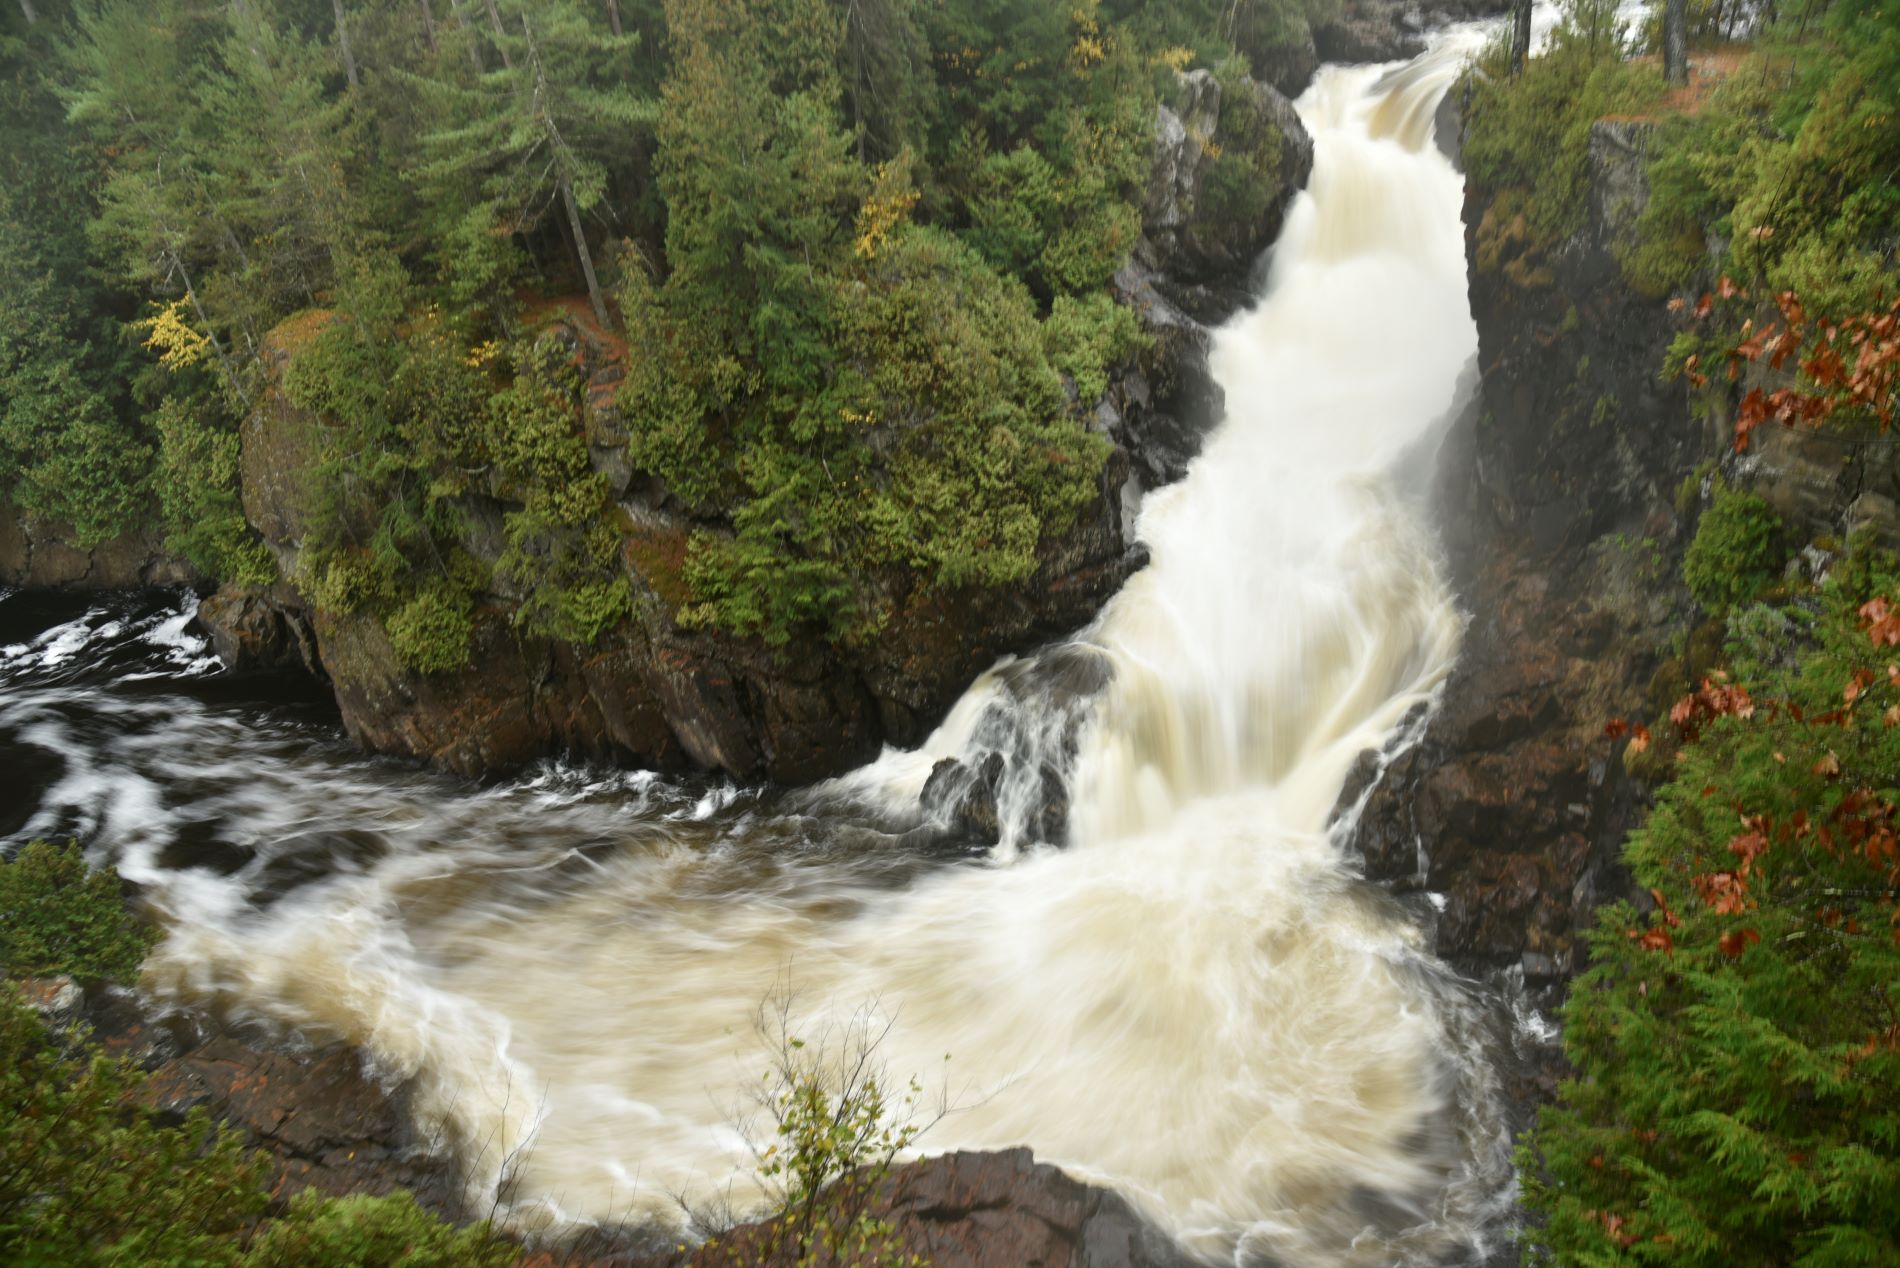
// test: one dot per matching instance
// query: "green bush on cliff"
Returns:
(1531, 134)
(197, 483)
(59, 916)
(361, 1230)
(1787, 167)
(562, 555)
(1735, 552)
(1243, 169)
(1735, 1044)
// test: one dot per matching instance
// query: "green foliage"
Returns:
(84, 1178)
(89, 1177)
(1085, 337)
(1532, 134)
(373, 1231)
(837, 1124)
(977, 454)
(354, 262)
(562, 554)
(1788, 167)
(1244, 177)
(431, 632)
(1736, 1048)
(59, 916)
(1736, 550)
(197, 484)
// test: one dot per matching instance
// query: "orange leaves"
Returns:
(1851, 366)
(1881, 622)
(1715, 698)
(1725, 893)
(1656, 939)
(1737, 941)
(1617, 728)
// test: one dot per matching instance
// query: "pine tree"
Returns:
(540, 131)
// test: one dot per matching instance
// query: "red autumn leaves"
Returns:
(1850, 369)
(1861, 823)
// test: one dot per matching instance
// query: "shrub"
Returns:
(837, 1125)
(373, 1231)
(59, 916)
(84, 1179)
(197, 482)
(89, 1177)
(1736, 550)
(1086, 337)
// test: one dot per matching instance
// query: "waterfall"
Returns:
(1196, 1000)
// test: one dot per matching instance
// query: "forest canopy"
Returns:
(847, 262)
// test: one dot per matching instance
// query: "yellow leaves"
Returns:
(1177, 58)
(176, 343)
(1091, 46)
(889, 205)
(484, 353)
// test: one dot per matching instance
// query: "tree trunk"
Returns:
(613, 15)
(494, 20)
(428, 25)
(1520, 35)
(1676, 42)
(191, 293)
(580, 249)
(343, 44)
(26, 7)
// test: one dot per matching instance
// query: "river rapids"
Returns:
(1196, 1000)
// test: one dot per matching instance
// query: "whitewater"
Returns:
(1195, 999)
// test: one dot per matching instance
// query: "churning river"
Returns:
(1196, 1000)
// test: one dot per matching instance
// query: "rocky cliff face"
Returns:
(662, 695)
(1567, 497)
(35, 552)
(1558, 497)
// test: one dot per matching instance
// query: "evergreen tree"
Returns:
(541, 130)
(1737, 1049)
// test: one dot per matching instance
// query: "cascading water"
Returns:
(1196, 1001)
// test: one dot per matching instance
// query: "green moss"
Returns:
(432, 631)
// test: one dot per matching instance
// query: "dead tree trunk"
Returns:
(1676, 42)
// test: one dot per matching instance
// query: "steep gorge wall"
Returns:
(1568, 495)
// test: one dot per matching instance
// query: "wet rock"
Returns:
(965, 795)
(326, 1121)
(1368, 31)
(1513, 805)
(984, 1210)
(1202, 255)
(43, 554)
(1166, 401)
(252, 631)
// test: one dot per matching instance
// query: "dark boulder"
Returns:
(982, 1210)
